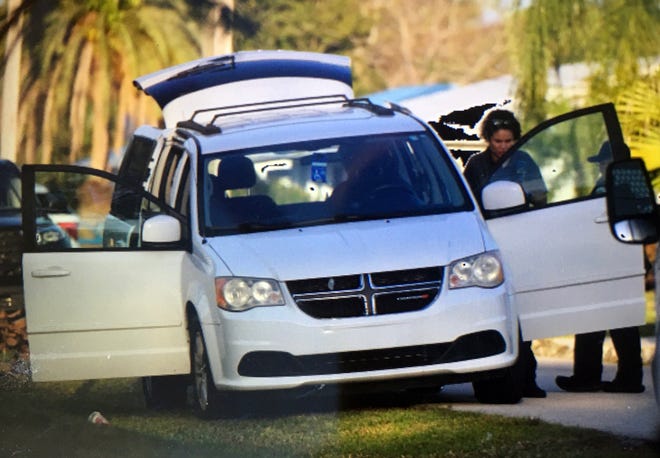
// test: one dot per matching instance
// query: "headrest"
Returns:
(235, 172)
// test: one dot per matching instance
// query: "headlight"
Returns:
(483, 270)
(238, 294)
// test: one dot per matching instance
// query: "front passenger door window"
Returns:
(571, 151)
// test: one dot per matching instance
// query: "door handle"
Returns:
(601, 219)
(51, 272)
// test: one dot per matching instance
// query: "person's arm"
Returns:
(531, 179)
(471, 173)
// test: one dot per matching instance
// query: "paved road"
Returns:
(631, 415)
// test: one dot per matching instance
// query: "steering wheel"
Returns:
(391, 189)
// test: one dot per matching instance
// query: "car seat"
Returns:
(237, 172)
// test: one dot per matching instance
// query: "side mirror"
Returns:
(161, 229)
(631, 205)
(502, 195)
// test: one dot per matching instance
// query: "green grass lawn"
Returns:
(50, 419)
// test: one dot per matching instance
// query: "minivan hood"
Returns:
(350, 248)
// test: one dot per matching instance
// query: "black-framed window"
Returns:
(572, 152)
(96, 217)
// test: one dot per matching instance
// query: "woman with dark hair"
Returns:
(500, 129)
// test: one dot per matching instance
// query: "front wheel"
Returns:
(207, 399)
(165, 392)
(504, 389)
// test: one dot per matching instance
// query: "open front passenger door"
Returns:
(568, 273)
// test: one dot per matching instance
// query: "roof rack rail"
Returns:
(230, 110)
(400, 108)
(206, 129)
(367, 104)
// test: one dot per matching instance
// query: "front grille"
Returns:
(377, 293)
(282, 364)
(11, 251)
(323, 285)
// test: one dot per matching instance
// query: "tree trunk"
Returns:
(100, 118)
(125, 107)
(78, 107)
(47, 122)
(11, 86)
(221, 29)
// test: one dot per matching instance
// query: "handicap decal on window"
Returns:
(319, 172)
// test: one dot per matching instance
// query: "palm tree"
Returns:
(216, 22)
(12, 31)
(90, 52)
(639, 107)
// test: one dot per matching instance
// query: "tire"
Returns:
(425, 391)
(165, 392)
(505, 389)
(207, 399)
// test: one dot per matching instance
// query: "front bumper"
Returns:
(282, 364)
(463, 332)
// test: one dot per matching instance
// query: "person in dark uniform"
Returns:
(588, 352)
(500, 129)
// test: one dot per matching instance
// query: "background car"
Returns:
(11, 238)
(48, 234)
(58, 210)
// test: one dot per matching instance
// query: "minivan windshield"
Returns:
(330, 180)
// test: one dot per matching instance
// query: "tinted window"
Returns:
(92, 202)
(134, 168)
(10, 193)
(571, 156)
(322, 181)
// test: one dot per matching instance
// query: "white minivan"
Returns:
(279, 234)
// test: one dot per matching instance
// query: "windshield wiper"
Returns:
(253, 226)
(343, 217)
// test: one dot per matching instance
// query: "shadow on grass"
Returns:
(50, 419)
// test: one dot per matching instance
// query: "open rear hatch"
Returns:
(243, 78)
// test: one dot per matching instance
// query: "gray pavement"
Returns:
(631, 415)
